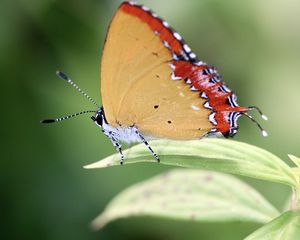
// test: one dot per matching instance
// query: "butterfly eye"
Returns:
(99, 119)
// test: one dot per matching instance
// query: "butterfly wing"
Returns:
(138, 84)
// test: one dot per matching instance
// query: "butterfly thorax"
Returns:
(124, 134)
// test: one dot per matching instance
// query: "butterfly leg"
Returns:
(116, 144)
(147, 145)
(118, 147)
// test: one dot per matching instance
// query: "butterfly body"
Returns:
(127, 135)
(120, 134)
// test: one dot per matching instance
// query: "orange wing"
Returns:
(152, 80)
(137, 87)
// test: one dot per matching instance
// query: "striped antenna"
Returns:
(63, 76)
(264, 132)
(54, 120)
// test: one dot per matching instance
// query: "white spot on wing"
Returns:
(194, 89)
(174, 77)
(175, 57)
(225, 88)
(233, 117)
(154, 15)
(194, 107)
(200, 63)
(203, 95)
(193, 55)
(187, 48)
(215, 80)
(206, 105)
(184, 55)
(177, 36)
(165, 24)
(166, 44)
(145, 8)
(212, 119)
(188, 81)
(232, 101)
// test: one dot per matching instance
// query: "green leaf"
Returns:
(190, 195)
(211, 154)
(288, 202)
(295, 159)
(285, 227)
(296, 172)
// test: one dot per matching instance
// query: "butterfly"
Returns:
(153, 86)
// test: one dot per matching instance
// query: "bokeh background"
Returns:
(45, 192)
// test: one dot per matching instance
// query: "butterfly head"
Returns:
(99, 117)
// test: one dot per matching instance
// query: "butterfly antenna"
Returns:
(259, 111)
(63, 76)
(264, 132)
(66, 117)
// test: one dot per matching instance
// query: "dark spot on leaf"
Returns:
(156, 106)
(157, 76)
(169, 122)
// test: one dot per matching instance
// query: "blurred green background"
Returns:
(45, 192)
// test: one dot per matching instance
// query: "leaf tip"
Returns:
(97, 224)
(100, 164)
(295, 160)
(89, 166)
